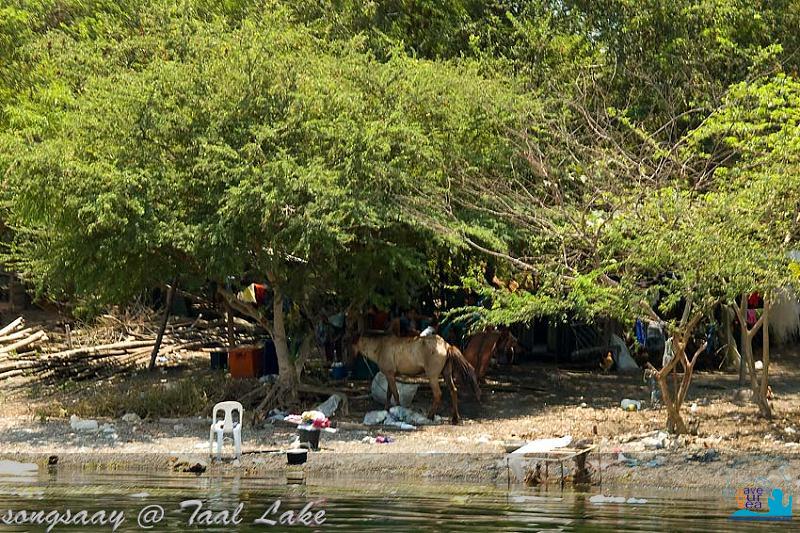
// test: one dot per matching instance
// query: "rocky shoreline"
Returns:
(661, 469)
(732, 447)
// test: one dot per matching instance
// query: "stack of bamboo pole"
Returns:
(23, 350)
(17, 344)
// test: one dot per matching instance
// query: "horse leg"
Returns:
(391, 390)
(437, 396)
(448, 379)
(485, 358)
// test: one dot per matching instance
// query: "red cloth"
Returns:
(261, 293)
(754, 300)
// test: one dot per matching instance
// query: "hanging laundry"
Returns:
(754, 301)
(640, 332)
(654, 342)
(255, 293)
(669, 353)
(711, 339)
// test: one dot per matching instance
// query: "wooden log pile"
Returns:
(17, 344)
(26, 351)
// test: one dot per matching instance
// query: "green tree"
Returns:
(255, 149)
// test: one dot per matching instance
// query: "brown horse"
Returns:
(412, 356)
(482, 346)
(509, 346)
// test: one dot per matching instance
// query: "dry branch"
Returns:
(16, 324)
(97, 349)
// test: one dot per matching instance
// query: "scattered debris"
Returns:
(277, 415)
(706, 456)
(631, 405)
(78, 424)
(373, 418)
(399, 417)
(657, 442)
(403, 414)
(379, 439)
(655, 391)
(600, 498)
(187, 464)
(329, 406)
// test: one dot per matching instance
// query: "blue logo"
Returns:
(753, 507)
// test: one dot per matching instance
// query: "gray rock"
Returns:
(131, 418)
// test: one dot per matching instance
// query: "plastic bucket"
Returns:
(309, 438)
(269, 364)
(219, 360)
(339, 372)
(245, 361)
(296, 457)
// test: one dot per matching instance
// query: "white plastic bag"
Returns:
(329, 406)
(373, 418)
(405, 390)
(625, 362)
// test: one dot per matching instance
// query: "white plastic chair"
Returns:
(227, 425)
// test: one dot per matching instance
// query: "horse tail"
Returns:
(458, 362)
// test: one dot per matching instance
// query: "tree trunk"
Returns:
(673, 399)
(286, 370)
(229, 316)
(277, 330)
(164, 321)
(744, 338)
(732, 357)
(763, 401)
(759, 388)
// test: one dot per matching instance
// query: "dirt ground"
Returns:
(520, 403)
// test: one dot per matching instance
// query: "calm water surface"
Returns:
(352, 505)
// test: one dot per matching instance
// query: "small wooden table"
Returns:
(558, 456)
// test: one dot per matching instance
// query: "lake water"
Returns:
(349, 505)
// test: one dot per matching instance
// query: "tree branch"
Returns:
(246, 309)
(513, 260)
